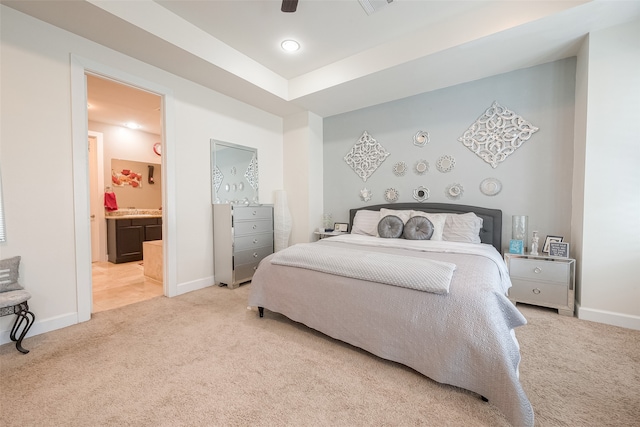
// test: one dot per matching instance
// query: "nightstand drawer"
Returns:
(539, 270)
(538, 293)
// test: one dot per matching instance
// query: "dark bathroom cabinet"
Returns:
(125, 237)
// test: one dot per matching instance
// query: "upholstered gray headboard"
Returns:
(490, 233)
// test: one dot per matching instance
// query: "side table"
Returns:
(542, 280)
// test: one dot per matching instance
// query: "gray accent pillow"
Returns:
(9, 274)
(390, 227)
(418, 228)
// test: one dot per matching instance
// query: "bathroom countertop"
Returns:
(132, 216)
(134, 213)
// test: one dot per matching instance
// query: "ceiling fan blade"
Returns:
(289, 5)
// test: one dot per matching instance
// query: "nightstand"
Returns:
(323, 234)
(542, 280)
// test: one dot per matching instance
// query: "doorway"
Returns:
(125, 125)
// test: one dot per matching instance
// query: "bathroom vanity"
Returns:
(126, 233)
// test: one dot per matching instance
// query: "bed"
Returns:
(459, 332)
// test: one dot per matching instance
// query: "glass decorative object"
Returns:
(520, 228)
(327, 221)
(535, 242)
(281, 221)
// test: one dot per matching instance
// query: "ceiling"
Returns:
(349, 59)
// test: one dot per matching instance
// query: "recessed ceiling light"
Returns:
(133, 125)
(290, 45)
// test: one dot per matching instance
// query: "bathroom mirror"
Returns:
(234, 174)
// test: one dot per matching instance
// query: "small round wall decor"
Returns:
(365, 194)
(421, 167)
(490, 186)
(421, 138)
(454, 191)
(157, 148)
(400, 168)
(446, 163)
(421, 194)
(391, 195)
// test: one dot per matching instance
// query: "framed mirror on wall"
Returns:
(234, 174)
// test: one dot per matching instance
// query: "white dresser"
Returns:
(542, 280)
(242, 237)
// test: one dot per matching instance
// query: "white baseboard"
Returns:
(194, 285)
(64, 320)
(42, 326)
(608, 317)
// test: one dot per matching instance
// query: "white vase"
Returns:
(281, 222)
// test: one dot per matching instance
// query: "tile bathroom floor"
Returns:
(117, 285)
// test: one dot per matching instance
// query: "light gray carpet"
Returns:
(203, 359)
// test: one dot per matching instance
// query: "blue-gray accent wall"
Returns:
(536, 179)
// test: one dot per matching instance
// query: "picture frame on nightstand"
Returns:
(548, 240)
(341, 227)
(559, 249)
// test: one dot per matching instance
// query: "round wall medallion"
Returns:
(422, 166)
(421, 194)
(400, 168)
(365, 194)
(490, 186)
(157, 148)
(446, 163)
(391, 195)
(454, 191)
(421, 138)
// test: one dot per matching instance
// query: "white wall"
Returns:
(303, 171)
(36, 156)
(610, 265)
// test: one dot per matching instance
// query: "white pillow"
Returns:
(437, 220)
(403, 215)
(366, 222)
(462, 228)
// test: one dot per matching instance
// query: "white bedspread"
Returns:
(408, 272)
(464, 338)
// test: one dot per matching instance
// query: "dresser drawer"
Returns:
(538, 293)
(252, 227)
(244, 273)
(252, 212)
(539, 270)
(252, 255)
(253, 241)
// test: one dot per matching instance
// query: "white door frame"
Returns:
(80, 66)
(101, 238)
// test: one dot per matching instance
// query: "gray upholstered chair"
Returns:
(13, 300)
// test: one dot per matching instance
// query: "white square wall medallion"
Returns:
(365, 156)
(498, 133)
